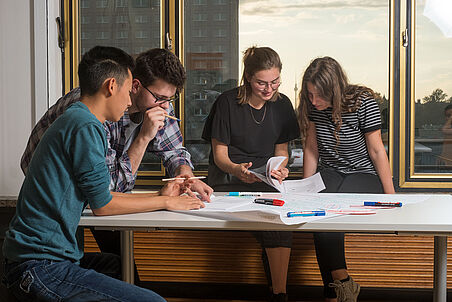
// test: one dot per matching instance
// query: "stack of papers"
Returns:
(311, 184)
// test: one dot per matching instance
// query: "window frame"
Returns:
(401, 87)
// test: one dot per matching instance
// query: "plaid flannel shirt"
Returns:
(167, 144)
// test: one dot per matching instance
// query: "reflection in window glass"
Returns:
(124, 24)
(205, 58)
(101, 3)
(433, 92)
(356, 34)
(102, 19)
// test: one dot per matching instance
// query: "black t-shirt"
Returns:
(251, 135)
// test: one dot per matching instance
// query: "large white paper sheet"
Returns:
(311, 184)
(245, 208)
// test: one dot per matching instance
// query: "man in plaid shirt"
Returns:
(145, 127)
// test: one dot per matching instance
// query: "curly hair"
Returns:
(159, 63)
(328, 77)
(256, 59)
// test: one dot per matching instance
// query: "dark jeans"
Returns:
(329, 247)
(46, 280)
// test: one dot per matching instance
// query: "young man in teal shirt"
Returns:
(67, 173)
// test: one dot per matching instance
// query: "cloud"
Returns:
(253, 7)
(259, 32)
(344, 19)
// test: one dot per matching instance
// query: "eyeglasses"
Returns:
(162, 100)
(262, 85)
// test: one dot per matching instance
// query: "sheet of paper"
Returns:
(272, 164)
(245, 208)
(312, 184)
(226, 203)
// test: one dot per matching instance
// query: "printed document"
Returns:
(311, 184)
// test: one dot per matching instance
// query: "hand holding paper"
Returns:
(245, 175)
(311, 184)
(280, 174)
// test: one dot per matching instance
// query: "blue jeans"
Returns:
(45, 280)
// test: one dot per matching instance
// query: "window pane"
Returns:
(211, 60)
(132, 25)
(120, 23)
(433, 90)
(356, 34)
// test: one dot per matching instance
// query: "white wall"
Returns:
(24, 79)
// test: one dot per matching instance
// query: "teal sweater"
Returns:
(66, 173)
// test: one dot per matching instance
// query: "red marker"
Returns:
(270, 201)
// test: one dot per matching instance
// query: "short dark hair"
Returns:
(159, 63)
(101, 63)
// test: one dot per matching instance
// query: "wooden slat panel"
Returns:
(235, 257)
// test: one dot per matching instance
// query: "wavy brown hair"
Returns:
(328, 77)
(159, 63)
(256, 59)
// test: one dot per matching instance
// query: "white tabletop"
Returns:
(433, 216)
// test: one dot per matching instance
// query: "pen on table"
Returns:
(270, 201)
(382, 204)
(243, 194)
(182, 178)
(306, 213)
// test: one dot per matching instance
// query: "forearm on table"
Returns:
(144, 195)
(123, 203)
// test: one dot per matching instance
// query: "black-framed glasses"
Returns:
(262, 85)
(160, 100)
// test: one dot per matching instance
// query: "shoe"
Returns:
(347, 291)
(281, 297)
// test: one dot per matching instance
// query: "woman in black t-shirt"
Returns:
(341, 132)
(246, 126)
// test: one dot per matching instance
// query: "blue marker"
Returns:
(243, 194)
(306, 213)
(382, 204)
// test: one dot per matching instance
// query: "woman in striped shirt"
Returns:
(341, 131)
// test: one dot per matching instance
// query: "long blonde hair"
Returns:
(256, 59)
(328, 77)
